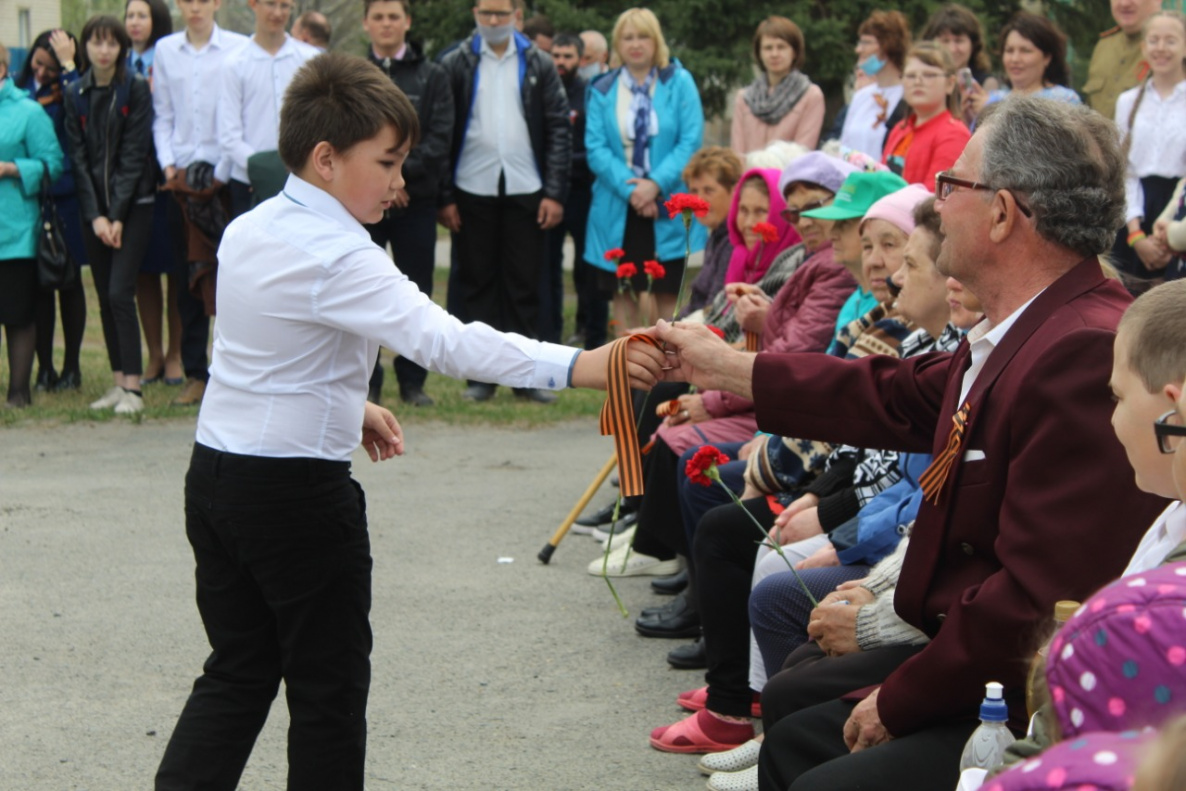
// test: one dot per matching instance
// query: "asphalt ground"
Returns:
(490, 670)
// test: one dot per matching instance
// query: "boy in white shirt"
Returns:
(277, 525)
(254, 81)
(187, 79)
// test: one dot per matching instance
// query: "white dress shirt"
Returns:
(1159, 140)
(254, 82)
(186, 83)
(305, 299)
(628, 106)
(982, 339)
(497, 140)
(1167, 531)
(864, 123)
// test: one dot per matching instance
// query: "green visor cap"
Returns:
(857, 194)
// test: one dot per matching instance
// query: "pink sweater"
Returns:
(801, 125)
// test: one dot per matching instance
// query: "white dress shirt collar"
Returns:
(301, 192)
(985, 337)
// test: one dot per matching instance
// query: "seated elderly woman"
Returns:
(802, 320)
(723, 546)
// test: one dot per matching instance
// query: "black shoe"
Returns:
(686, 624)
(673, 607)
(603, 532)
(478, 392)
(606, 515)
(535, 394)
(375, 394)
(688, 657)
(415, 396)
(669, 586)
(46, 379)
(69, 380)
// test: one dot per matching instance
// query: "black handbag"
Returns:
(56, 268)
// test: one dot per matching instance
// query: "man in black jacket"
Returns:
(410, 225)
(592, 312)
(512, 144)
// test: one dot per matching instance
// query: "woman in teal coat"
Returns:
(644, 122)
(28, 149)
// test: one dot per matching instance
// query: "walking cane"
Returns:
(545, 554)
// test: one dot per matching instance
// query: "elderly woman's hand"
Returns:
(751, 312)
(834, 628)
(691, 410)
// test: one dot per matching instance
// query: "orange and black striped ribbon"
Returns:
(617, 416)
(935, 475)
(751, 341)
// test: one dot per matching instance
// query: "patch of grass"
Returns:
(502, 410)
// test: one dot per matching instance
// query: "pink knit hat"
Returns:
(897, 208)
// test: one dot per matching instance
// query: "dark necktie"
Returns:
(139, 64)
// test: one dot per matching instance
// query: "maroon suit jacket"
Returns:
(1046, 508)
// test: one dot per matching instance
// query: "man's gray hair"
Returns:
(1065, 163)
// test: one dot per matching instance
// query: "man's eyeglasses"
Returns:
(498, 16)
(945, 184)
(793, 215)
(1169, 430)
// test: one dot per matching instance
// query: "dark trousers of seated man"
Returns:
(412, 234)
(500, 254)
(284, 590)
(804, 709)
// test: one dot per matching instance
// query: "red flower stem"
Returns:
(679, 295)
(716, 476)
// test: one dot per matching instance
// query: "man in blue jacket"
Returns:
(512, 145)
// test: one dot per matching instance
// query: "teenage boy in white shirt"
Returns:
(277, 525)
(253, 85)
(187, 78)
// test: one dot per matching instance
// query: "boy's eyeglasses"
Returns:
(945, 184)
(1169, 430)
(793, 215)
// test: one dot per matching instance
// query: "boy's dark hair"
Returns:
(569, 40)
(366, 6)
(342, 100)
(538, 25)
(1156, 329)
(105, 26)
(162, 20)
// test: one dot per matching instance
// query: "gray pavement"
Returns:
(487, 675)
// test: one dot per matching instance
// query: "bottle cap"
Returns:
(1063, 610)
(994, 709)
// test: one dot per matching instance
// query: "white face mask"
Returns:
(496, 34)
(590, 70)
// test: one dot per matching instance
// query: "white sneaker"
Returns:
(625, 562)
(745, 780)
(734, 760)
(619, 540)
(109, 399)
(130, 404)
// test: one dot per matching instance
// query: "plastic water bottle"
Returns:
(986, 748)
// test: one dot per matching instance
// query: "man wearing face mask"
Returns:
(512, 145)
(592, 313)
(595, 58)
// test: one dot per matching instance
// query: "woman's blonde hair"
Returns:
(645, 22)
(936, 56)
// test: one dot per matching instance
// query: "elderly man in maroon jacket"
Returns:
(1029, 499)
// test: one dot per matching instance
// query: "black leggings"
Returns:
(72, 302)
(115, 273)
(725, 549)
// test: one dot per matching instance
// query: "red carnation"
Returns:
(614, 255)
(627, 270)
(717, 331)
(682, 202)
(702, 467)
(654, 269)
(767, 231)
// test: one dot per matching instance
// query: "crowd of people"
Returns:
(956, 417)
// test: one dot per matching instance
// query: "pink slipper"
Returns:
(701, 733)
(697, 699)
